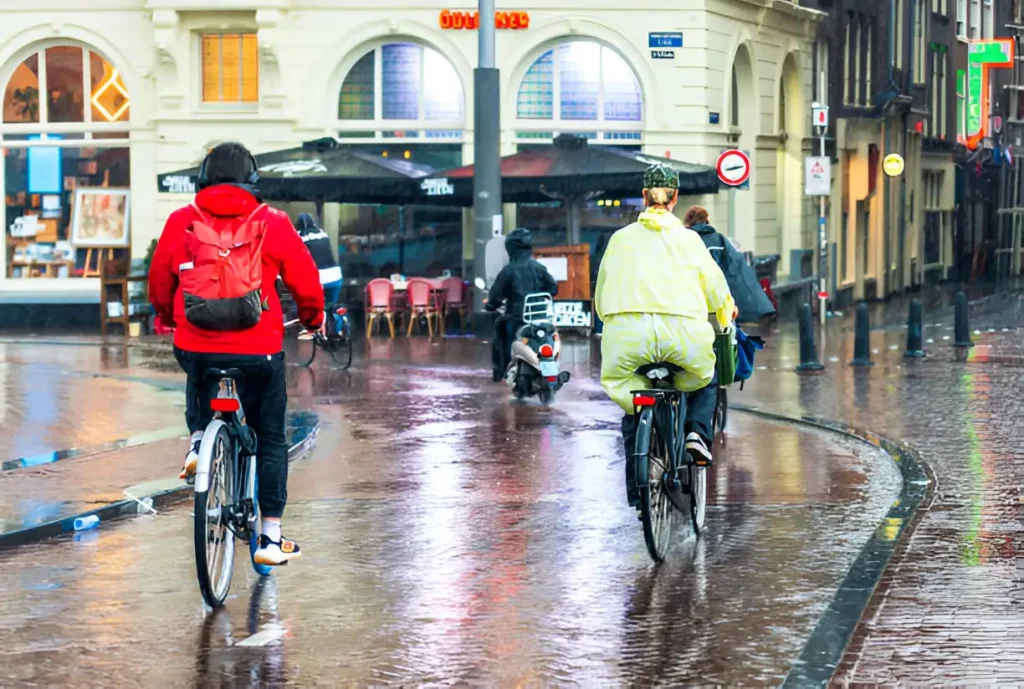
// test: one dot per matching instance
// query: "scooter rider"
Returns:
(522, 276)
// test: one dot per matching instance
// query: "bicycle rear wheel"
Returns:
(214, 541)
(698, 477)
(656, 511)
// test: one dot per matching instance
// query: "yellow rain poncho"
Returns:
(655, 288)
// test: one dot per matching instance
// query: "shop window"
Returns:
(401, 82)
(64, 191)
(581, 87)
(67, 73)
(231, 68)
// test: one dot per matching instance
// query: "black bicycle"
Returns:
(334, 336)
(226, 490)
(666, 477)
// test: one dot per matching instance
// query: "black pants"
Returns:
(264, 401)
(501, 347)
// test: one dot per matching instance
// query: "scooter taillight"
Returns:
(546, 351)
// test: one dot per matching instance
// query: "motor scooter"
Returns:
(534, 369)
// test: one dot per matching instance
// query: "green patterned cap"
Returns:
(660, 176)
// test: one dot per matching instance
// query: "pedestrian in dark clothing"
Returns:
(319, 246)
(522, 276)
(747, 292)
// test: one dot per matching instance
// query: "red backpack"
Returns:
(222, 274)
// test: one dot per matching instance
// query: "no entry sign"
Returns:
(733, 167)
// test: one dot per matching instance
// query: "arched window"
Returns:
(66, 163)
(580, 86)
(401, 91)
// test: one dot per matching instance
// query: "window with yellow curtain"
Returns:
(231, 68)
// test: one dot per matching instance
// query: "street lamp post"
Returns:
(487, 220)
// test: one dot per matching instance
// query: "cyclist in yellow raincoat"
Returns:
(655, 288)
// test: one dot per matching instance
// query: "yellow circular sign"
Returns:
(893, 164)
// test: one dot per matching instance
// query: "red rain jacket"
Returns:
(284, 254)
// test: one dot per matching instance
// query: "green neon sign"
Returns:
(982, 56)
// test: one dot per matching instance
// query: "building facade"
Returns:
(100, 99)
(891, 85)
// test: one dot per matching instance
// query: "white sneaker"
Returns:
(305, 336)
(698, 449)
(274, 553)
(191, 460)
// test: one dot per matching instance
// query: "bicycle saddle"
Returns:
(658, 371)
(221, 373)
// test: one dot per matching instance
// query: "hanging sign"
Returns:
(463, 19)
(819, 115)
(983, 56)
(817, 175)
(178, 184)
(733, 167)
(892, 165)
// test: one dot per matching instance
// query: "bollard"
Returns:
(961, 329)
(862, 338)
(915, 333)
(808, 350)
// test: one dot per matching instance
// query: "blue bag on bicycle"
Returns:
(746, 348)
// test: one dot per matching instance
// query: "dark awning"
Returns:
(569, 167)
(322, 170)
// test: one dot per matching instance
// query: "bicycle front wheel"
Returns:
(312, 353)
(656, 510)
(341, 352)
(214, 541)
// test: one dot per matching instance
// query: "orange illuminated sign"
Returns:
(461, 19)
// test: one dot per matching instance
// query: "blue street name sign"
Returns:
(665, 39)
(663, 54)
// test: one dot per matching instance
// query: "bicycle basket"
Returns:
(538, 308)
(725, 357)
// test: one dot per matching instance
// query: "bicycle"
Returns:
(665, 475)
(725, 375)
(334, 336)
(226, 475)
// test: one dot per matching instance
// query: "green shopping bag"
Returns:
(725, 357)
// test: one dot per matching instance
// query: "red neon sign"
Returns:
(461, 19)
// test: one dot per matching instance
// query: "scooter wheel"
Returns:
(546, 396)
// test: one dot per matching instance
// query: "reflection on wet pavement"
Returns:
(450, 535)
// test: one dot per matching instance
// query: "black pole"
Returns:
(862, 338)
(808, 350)
(915, 332)
(961, 329)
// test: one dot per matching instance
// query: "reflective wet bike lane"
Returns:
(450, 535)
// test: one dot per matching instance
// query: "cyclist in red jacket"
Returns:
(213, 277)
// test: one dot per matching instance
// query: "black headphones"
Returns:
(254, 174)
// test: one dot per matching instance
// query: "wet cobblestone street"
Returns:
(452, 536)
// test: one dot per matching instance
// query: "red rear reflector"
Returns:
(644, 401)
(546, 350)
(342, 311)
(224, 404)
(552, 379)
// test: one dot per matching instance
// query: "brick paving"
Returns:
(950, 608)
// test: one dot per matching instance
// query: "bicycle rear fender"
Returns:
(644, 425)
(206, 455)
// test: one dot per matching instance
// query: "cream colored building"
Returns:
(134, 88)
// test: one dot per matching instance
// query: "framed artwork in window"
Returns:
(101, 217)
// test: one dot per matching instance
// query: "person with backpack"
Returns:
(319, 245)
(213, 276)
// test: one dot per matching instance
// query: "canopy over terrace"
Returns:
(322, 171)
(569, 170)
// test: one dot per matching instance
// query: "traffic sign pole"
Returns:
(820, 118)
(733, 169)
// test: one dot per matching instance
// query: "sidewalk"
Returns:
(949, 607)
